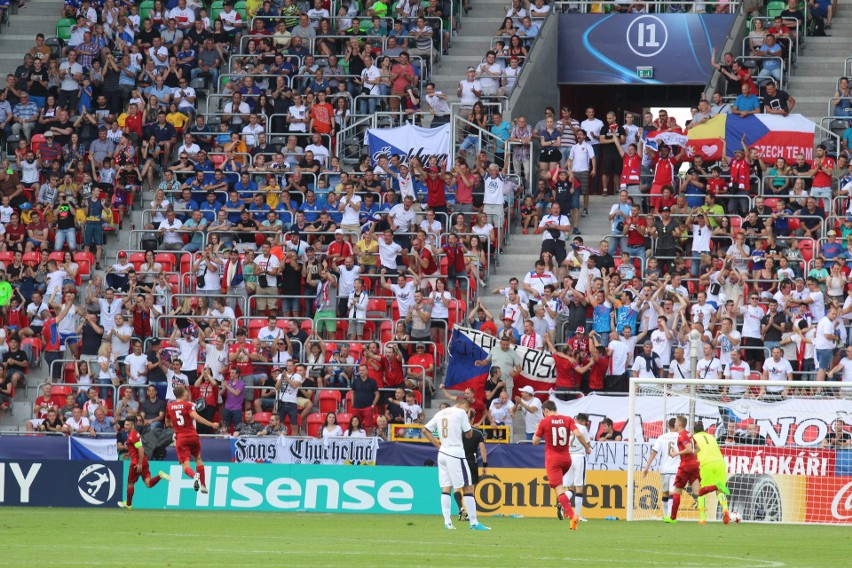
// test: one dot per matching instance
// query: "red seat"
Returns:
(343, 420)
(32, 258)
(186, 260)
(136, 259)
(357, 350)
(7, 257)
(386, 330)
(307, 326)
(36, 141)
(262, 417)
(806, 247)
(329, 401)
(736, 224)
(58, 256)
(37, 346)
(314, 424)
(60, 390)
(377, 308)
(84, 256)
(394, 310)
(794, 224)
(755, 376)
(770, 202)
(457, 312)
(166, 260)
(330, 347)
(69, 373)
(254, 327)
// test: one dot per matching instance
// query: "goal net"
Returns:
(786, 447)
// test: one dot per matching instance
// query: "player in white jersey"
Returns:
(575, 478)
(668, 464)
(453, 471)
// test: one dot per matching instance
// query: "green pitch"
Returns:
(97, 537)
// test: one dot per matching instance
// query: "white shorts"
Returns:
(453, 472)
(667, 482)
(576, 475)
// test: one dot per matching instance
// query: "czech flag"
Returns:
(461, 371)
(774, 136)
(467, 345)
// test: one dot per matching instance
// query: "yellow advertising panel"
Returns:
(511, 491)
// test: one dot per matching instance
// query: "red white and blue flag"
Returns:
(467, 346)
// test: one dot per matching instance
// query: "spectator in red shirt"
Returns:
(416, 374)
(339, 248)
(436, 187)
(133, 123)
(16, 232)
(243, 354)
(596, 367)
(477, 408)
(322, 115)
(376, 372)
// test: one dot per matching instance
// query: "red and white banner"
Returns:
(829, 500)
(792, 422)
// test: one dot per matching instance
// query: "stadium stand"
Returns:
(221, 163)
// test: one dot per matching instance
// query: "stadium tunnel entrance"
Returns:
(626, 98)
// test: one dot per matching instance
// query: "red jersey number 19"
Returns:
(560, 435)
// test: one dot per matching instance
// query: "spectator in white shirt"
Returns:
(825, 341)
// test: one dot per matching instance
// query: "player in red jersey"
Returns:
(556, 431)
(180, 414)
(138, 463)
(687, 472)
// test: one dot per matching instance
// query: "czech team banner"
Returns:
(468, 345)
(773, 135)
(409, 140)
(639, 49)
(794, 421)
(298, 487)
(285, 450)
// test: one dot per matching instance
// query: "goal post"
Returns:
(785, 444)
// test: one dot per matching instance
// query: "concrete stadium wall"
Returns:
(537, 87)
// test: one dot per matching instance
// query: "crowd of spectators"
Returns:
(264, 267)
(358, 273)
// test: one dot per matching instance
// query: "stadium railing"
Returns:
(756, 63)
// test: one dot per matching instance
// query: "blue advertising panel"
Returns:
(639, 49)
(57, 483)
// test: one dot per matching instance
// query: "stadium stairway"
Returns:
(470, 44)
(39, 16)
(819, 67)
(518, 259)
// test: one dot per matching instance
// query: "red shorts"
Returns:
(365, 415)
(133, 476)
(686, 476)
(186, 448)
(556, 469)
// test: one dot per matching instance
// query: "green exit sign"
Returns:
(645, 72)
